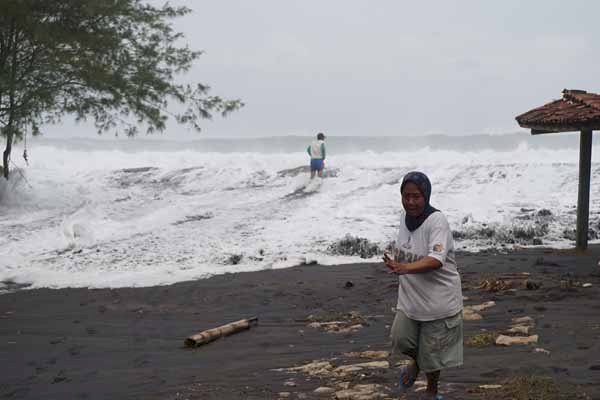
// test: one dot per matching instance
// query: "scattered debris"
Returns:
(215, 333)
(471, 313)
(523, 321)
(369, 354)
(362, 392)
(315, 368)
(345, 369)
(324, 390)
(520, 329)
(482, 339)
(488, 387)
(355, 246)
(483, 306)
(540, 350)
(512, 281)
(344, 323)
(586, 285)
(420, 386)
(234, 259)
(503, 340)
(535, 387)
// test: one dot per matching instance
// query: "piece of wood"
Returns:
(583, 197)
(503, 340)
(212, 334)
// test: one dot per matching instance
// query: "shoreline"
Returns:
(10, 286)
(128, 342)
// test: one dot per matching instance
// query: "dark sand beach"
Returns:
(128, 343)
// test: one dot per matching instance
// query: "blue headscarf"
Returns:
(424, 185)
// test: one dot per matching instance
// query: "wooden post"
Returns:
(583, 198)
(212, 334)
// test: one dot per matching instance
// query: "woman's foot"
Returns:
(408, 375)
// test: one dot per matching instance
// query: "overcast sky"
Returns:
(386, 67)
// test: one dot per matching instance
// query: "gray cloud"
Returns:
(387, 67)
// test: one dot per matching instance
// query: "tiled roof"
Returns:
(575, 111)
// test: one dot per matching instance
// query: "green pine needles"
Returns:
(114, 62)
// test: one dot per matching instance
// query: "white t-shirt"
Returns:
(316, 149)
(435, 294)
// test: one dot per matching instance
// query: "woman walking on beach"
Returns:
(428, 326)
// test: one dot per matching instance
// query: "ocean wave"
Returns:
(109, 217)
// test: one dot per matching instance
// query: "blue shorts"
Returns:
(316, 164)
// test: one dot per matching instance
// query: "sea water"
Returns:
(112, 213)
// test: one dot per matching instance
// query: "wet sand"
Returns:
(128, 343)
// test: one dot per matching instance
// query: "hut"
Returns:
(577, 110)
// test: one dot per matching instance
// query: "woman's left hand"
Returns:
(395, 267)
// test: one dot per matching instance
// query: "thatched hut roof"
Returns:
(576, 111)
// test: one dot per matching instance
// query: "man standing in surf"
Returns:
(428, 326)
(316, 151)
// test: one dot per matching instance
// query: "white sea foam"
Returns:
(139, 215)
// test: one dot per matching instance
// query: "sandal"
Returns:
(403, 387)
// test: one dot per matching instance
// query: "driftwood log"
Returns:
(212, 334)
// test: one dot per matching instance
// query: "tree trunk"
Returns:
(11, 100)
(6, 154)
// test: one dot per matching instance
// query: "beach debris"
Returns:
(523, 321)
(540, 350)
(536, 387)
(234, 259)
(363, 392)
(348, 284)
(284, 395)
(566, 284)
(481, 339)
(314, 368)
(586, 285)
(326, 369)
(215, 333)
(289, 383)
(483, 306)
(342, 323)
(420, 386)
(344, 369)
(354, 246)
(503, 340)
(512, 281)
(520, 329)
(324, 390)
(471, 313)
(400, 363)
(372, 354)
(338, 379)
(325, 325)
(489, 387)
